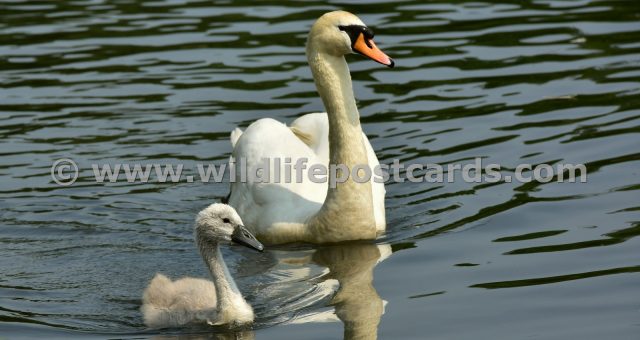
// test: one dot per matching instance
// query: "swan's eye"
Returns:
(226, 220)
(354, 31)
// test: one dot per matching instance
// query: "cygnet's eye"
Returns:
(226, 220)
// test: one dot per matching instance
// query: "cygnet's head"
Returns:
(338, 33)
(221, 223)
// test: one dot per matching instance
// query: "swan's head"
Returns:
(339, 33)
(220, 222)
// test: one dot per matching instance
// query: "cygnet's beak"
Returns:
(242, 236)
(368, 48)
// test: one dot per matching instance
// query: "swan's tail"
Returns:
(235, 135)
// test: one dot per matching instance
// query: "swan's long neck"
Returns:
(231, 306)
(347, 212)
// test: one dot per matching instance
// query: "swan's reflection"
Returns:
(356, 302)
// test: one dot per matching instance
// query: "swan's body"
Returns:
(169, 303)
(302, 209)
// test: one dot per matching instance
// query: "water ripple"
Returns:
(165, 81)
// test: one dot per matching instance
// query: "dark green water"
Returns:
(165, 82)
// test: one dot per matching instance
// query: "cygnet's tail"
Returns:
(235, 135)
(158, 291)
(155, 300)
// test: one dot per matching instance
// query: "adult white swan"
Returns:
(167, 303)
(302, 209)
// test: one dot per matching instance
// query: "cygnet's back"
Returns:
(169, 303)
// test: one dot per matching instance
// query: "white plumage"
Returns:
(304, 210)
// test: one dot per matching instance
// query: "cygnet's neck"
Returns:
(231, 306)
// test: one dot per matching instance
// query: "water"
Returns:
(165, 82)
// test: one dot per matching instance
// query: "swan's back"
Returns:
(167, 303)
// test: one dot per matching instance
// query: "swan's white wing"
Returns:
(277, 205)
(313, 130)
(314, 127)
(377, 187)
(263, 205)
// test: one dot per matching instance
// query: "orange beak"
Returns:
(369, 49)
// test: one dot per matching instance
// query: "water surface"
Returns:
(165, 82)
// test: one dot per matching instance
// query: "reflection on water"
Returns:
(342, 279)
(356, 303)
(229, 335)
(165, 81)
